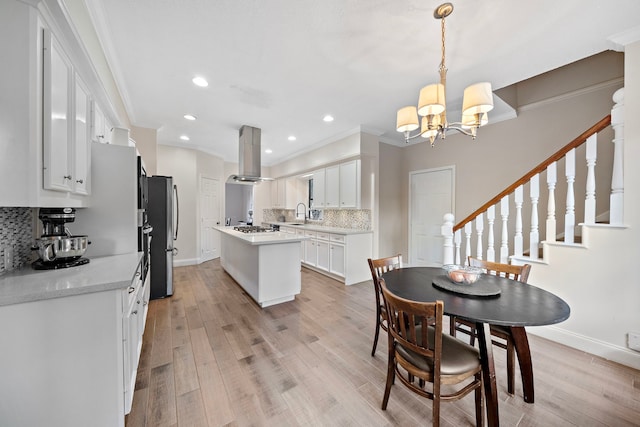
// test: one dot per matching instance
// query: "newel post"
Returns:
(616, 201)
(447, 233)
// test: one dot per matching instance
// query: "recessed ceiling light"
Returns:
(190, 117)
(291, 138)
(200, 81)
(328, 118)
(268, 151)
(184, 137)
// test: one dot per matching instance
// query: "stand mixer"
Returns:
(57, 247)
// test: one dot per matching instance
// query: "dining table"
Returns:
(508, 303)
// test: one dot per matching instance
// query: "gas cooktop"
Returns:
(253, 229)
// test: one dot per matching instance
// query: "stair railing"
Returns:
(453, 234)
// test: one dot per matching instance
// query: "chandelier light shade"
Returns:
(407, 119)
(477, 102)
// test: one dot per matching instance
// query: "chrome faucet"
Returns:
(304, 212)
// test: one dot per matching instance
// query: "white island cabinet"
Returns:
(266, 265)
(71, 340)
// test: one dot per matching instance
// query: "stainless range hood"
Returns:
(249, 157)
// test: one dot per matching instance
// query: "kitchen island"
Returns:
(266, 265)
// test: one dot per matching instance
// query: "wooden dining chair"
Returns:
(419, 350)
(378, 267)
(519, 273)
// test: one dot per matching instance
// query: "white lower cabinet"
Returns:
(336, 255)
(72, 360)
(322, 243)
(340, 256)
(311, 248)
(136, 303)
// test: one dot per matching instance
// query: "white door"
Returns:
(209, 218)
(430, 198)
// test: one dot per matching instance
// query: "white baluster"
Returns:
(570, 215)
(457, 239)
(467, 234)
(517, 238)
(551, 203)
(491, 217)
(590, 196)
(447, 232)
(479, 230)
(534, 235)
(616, 205)
(504, 213)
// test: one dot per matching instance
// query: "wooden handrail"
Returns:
(602, 124)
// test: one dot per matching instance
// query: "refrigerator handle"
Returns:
(175, 192)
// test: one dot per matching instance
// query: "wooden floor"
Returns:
(212, 357)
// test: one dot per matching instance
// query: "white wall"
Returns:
(187, 166)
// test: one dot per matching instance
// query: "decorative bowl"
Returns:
(462, 274)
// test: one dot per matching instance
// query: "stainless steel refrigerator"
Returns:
(162, 215)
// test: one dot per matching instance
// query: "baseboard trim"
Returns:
(185, 262)
(614, 353)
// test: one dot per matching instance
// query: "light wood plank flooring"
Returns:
(212, 357)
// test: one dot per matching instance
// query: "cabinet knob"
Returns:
(134, 312)
(80, 181)
(131, 289)
(67, 177)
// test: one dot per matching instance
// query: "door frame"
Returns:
(452, 168)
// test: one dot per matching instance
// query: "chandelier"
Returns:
(477, 101)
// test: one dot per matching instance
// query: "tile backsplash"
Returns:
(359, 219)
(16, 237)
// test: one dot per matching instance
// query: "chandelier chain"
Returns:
(442, 63)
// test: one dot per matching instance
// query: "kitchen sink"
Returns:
(296, 223)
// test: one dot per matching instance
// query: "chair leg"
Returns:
(375, 338)
(479, 411)
(436, 405)
(511, 382)
(391, 374)
(452, 326)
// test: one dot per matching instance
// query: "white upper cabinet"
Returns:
(66, 113)
(350, 184)
(57, 115)
(48, 85)
(332, 187)
(82, 138)
(337, 186)
(318, 189)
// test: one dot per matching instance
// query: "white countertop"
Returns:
(314, 227)
(266, 238)
(100, 274)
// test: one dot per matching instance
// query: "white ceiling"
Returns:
(281, 65)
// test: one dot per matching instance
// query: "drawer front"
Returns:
(323, 236)
(311, 234)
(338, 238)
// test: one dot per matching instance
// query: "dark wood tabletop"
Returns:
(518, 304)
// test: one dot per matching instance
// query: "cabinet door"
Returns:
(310, 252)
(82, 145)
(302, 245)
(97, 132)
(349, 185)
(318, 189)
(336, 259)
(282, 195)
(332, 189)
(323, 254)
(57, 113)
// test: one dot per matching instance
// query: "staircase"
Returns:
(577, 250)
